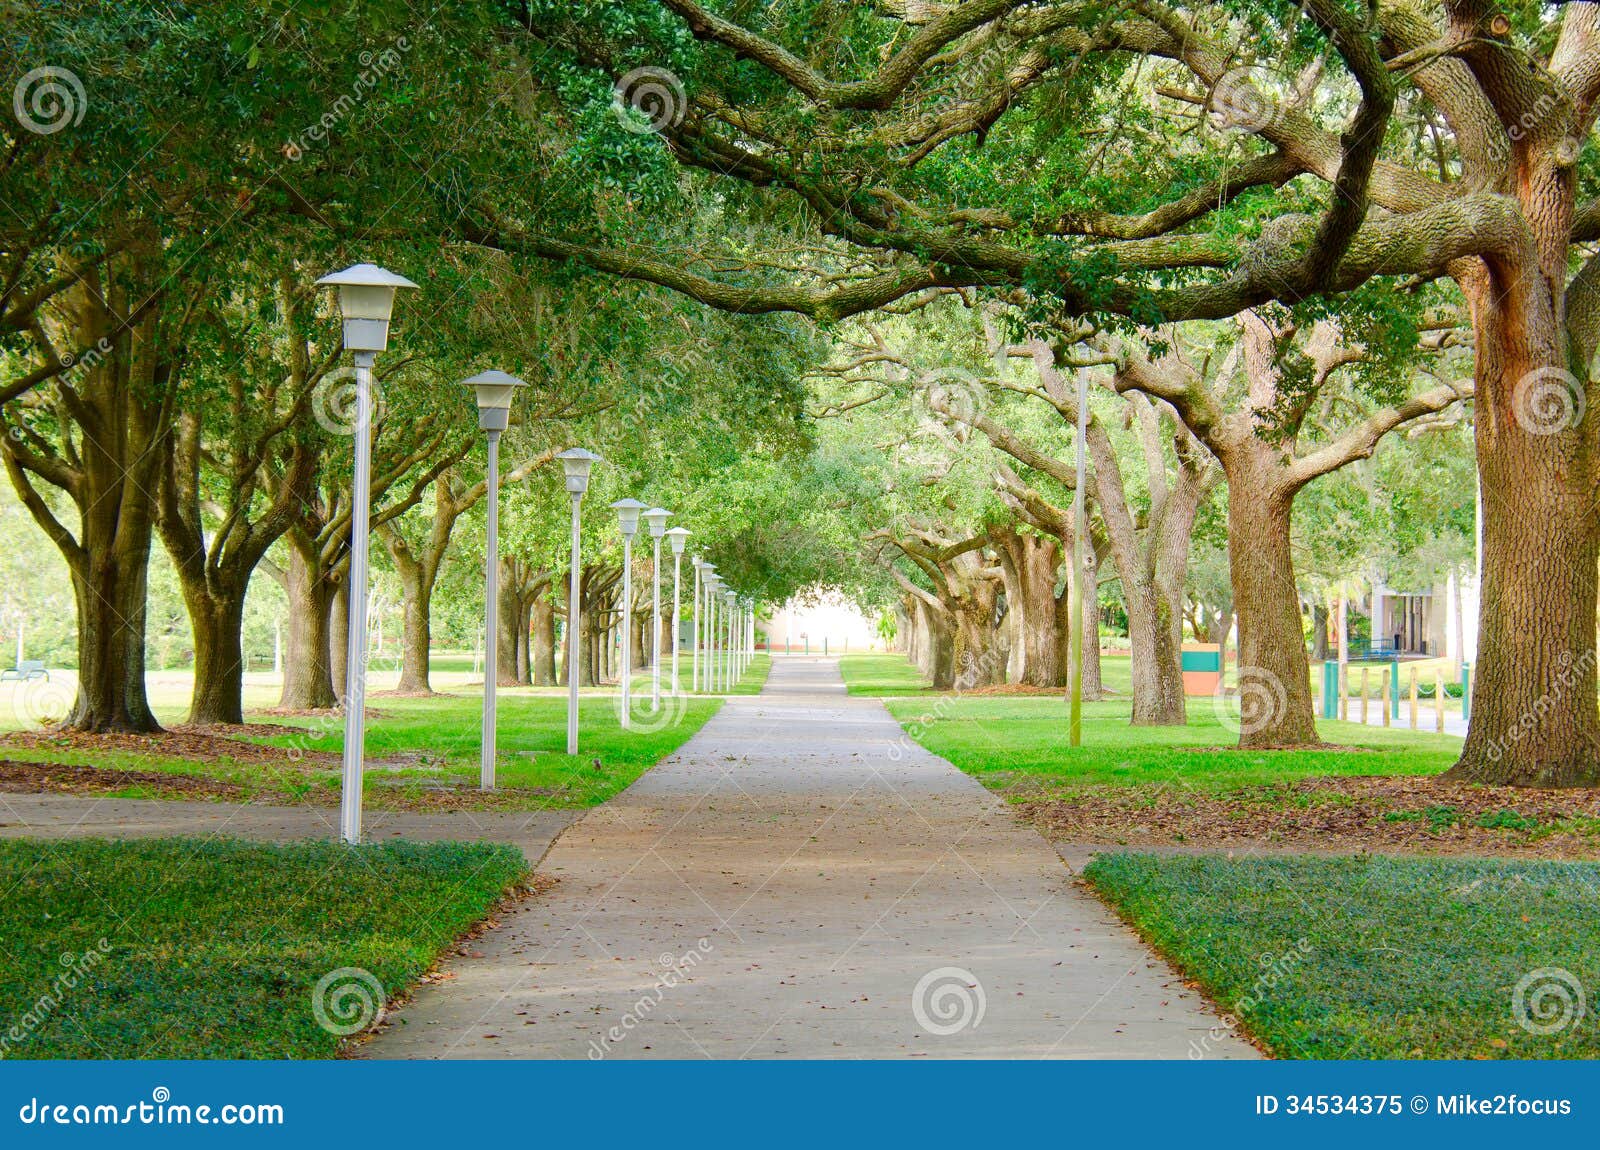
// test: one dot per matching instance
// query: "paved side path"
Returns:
(782, 887)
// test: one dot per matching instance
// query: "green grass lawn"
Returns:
(1007, 741)
(889, 675)
(415, 746)
(1370, 957)
(188, 948)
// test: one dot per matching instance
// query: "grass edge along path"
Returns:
(1375, 957)
(218, 948)
(415, 749)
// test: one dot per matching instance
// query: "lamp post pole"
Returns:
(495, 390)
(678, 537)
(731, 600)
(575, 462)
(628, 521)
(694, 636)
(355, 651)
(657, 518)
(366, 301)
(491, 619)
(709, 573)
(712, 582)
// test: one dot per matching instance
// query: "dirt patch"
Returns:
(71, 778)
(1414, 815)
(192, 744)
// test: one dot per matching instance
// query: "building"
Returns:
(1422, 621)
(825, 622)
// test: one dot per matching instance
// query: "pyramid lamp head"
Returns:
(495, 390)
(628, 516)
(366, 301)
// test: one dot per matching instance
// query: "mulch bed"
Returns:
(1380, 814)
(71, 778)
(196, 744)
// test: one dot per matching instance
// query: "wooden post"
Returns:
(1366, 686)
(1383, 696)
(1438, 698)
(1413, 698)
(1344, 691)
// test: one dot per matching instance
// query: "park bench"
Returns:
(25, 670)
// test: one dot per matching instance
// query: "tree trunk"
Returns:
(1042, 618)
(638, 631)
(110, 598)
(939, 645)
(307, 670)
(1093, 684)
(544, 641)
(1534, 715)
(1274, 676)
(339, 638)
(218, 625)
(1155, 658)
(1319, 633)
(525, 642)
(506, 646)
(416, 595)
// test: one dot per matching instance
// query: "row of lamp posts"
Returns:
(366, 302)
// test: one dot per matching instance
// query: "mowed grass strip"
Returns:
(212, 948)
(413, 747)
(1022, 744)
(1373, 957)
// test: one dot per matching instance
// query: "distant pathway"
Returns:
(781, 887)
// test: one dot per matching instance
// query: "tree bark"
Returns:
(307, 667)
(110, 596)
(1534, 716)
(544, 641)
(506, 646)
(339, 638)
(1273, 674)
(218, 624)
(1041, 617)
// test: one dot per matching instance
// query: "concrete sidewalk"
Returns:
(802, 880)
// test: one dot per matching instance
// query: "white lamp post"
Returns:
(628, 522)
(657, 518)
(711, 624)
(576, 462)
(366, 301)
(713, 581)
(495, 390)
(678, 536)
(733, 602)
(694, 636)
